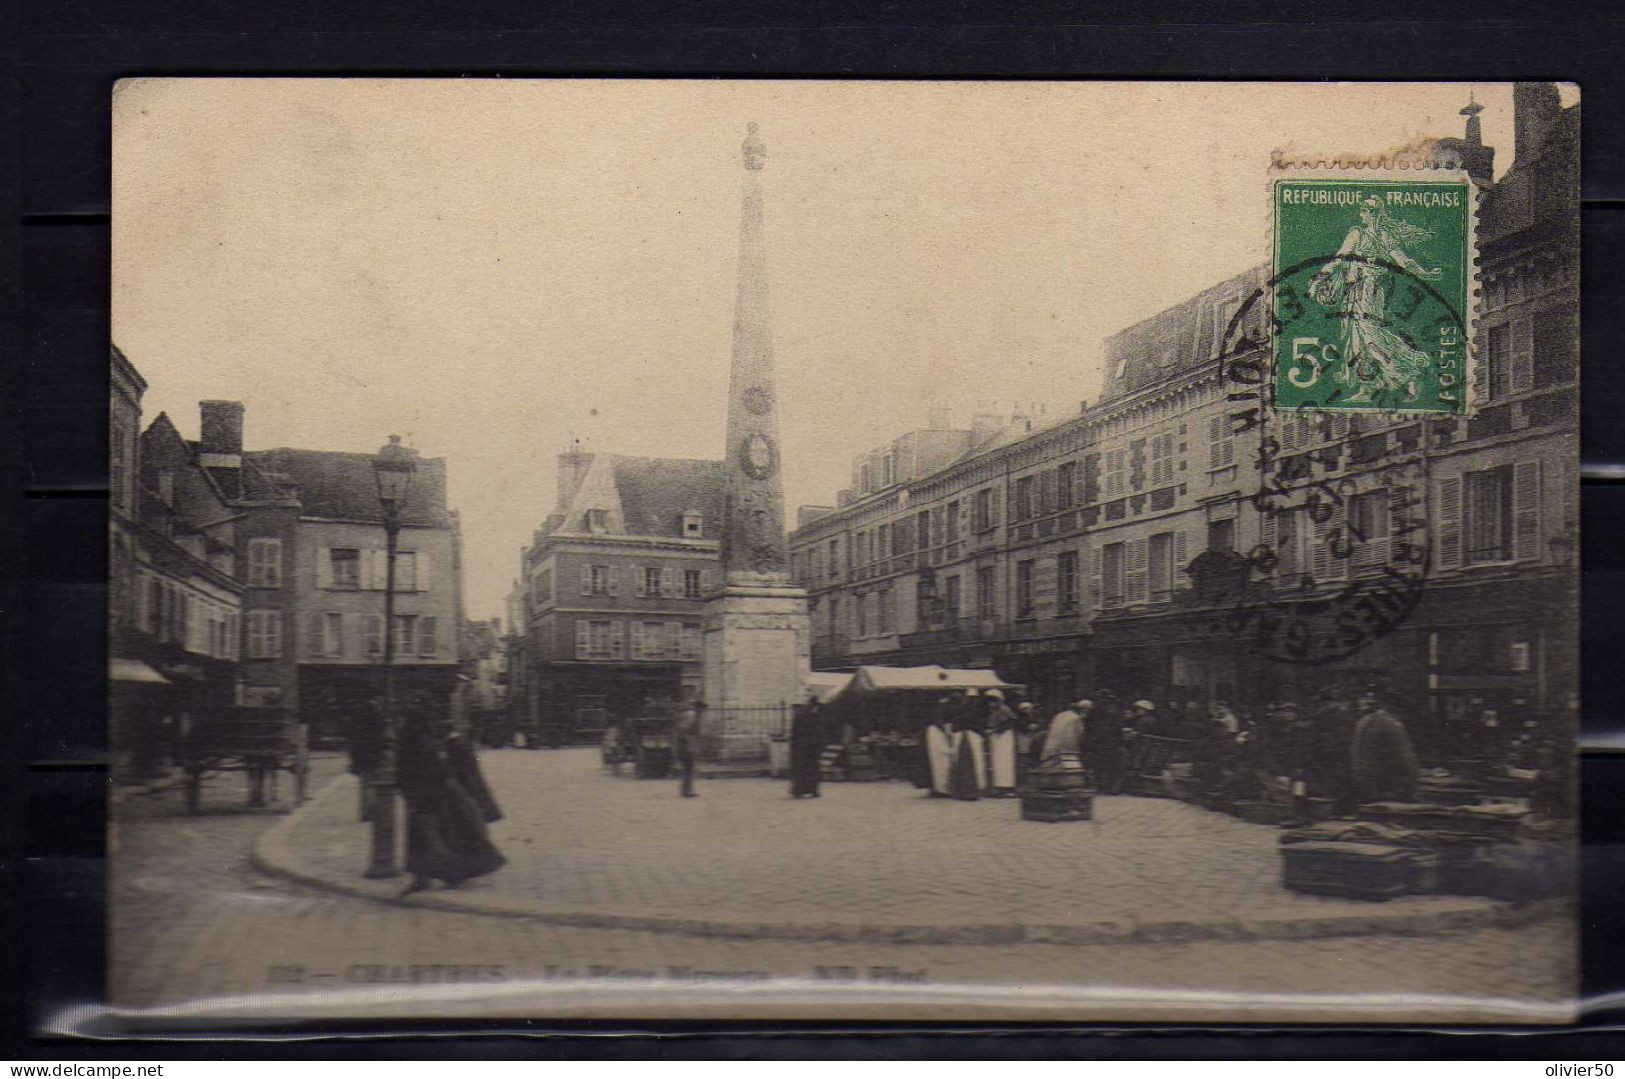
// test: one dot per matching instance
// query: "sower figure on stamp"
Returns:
(1375, 357)
(1385, 765)
(685, 744)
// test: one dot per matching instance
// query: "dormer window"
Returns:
(693, 524)
(597, 520)
(1122, 367)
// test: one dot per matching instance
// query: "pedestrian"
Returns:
(1103, 743)
(806, 745)
(967, 777)
(446, 838)
(1384, 764)
(465, 769)
(1029, 740)
(685, 744)
(1001, 746)
(1065, 734)
(936, 743)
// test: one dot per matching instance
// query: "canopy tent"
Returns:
(824, 685)
(933, 677)
(133, 670)
(901, 699)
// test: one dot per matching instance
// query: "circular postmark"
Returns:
(1342, 475)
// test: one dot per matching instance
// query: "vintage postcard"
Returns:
(841, 550)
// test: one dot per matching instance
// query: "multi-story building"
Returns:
(175, 600)
(1103, 550)
(613, 586)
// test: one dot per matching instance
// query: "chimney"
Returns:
(220, 446)
(983, 426)
(1535, 111)
(573, 465)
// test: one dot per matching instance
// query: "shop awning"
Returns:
(822, 685)
(133, 670)
(880, 679)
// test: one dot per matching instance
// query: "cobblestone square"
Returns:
(732, 904)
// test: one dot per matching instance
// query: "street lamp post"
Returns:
(393, 468)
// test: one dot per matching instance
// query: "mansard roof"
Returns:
(655, 492)
(342, 486)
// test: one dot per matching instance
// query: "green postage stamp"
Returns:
(1371, 291)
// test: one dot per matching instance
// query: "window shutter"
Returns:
(317, 642)
(617, 638)
(1137, 568)
(324, 567)
(1372, 548)
(636, 630)
(1215, 441)
(1180, 561)
(423, 567)
(1526, 510)
(668, 583)
(586, 580)
(992, 510)
(1335, 536)
(1097, 579)
(373, 632)
(1523, 355)
(583, 641)
(640, 577)
(427, 645)
(1288, 568)
(1450, 523)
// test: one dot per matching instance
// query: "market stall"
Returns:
(878, 715)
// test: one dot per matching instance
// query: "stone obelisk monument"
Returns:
(756, 629)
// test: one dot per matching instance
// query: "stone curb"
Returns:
(274, 854)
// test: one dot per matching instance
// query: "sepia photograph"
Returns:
(840, 550)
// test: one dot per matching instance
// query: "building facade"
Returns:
(612, 591)
(1112, 549)
(315, 565)
(175, 599)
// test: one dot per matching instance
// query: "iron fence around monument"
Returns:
(742, 733)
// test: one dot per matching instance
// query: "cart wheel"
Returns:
(194, 791)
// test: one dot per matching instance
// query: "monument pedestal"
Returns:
(757, 660)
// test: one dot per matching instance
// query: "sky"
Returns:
(497, 269)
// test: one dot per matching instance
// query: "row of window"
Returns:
(651, 581)
(604, 638)
(340, 635)
(174, 614)
(1485, 517)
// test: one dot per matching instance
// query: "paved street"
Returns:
(193, 917)
(871, 861)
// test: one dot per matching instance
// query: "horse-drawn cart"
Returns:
(259, 742)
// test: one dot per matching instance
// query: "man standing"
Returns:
(806, 745)
(1001, 746)
(685, 744)
(1385, 765)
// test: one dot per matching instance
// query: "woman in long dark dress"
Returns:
(806, 745)
(445, 825)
